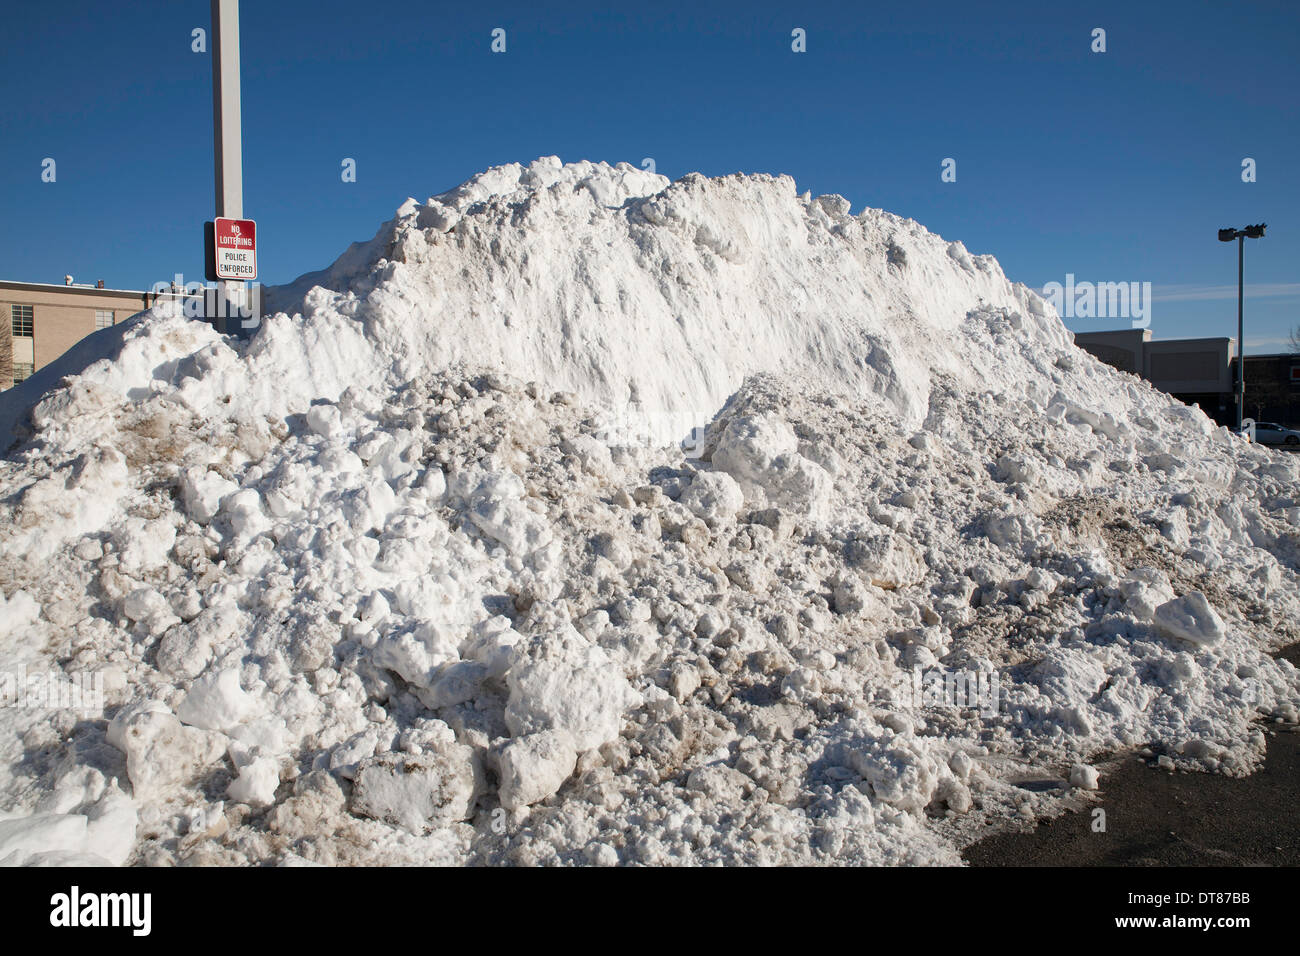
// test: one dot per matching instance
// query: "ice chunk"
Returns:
(760, 452)
(534, 766)
(202, 491)
(1190, 618)
(714, 496)
(162, 753)
(418, 792)
(324, 420)
(560, 681)
(216, 702)
(1083, 776)
(256, 783)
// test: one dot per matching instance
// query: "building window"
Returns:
(22, 371)
(22, 320)
(103, 319)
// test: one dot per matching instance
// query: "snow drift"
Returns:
(413, 576)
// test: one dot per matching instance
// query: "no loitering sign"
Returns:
(234, 249)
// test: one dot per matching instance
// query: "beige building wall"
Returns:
(61, 317)
(6, 359)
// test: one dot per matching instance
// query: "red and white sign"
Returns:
(236, 248)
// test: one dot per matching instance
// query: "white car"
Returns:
(1269, 433)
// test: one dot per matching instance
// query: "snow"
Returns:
(256, 783)
(17, 612)
(162, 754)
(534, 766)
(216, 702)
(1084, 777)
(202, 491)
(1190, 618)
(421, 573)
(418, 792)
(761, 453)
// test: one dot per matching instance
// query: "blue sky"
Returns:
(1112, 167)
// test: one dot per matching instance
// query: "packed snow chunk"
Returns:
(142, 602)
(534, 766)
(434, 484)
(244, 510)
(434, 215)
(900, 774)
(886, 559)
(590, 452)
(713, 496)
(1083, 776)
(202, 491)
(683, 681)
(417, 654)
(398, 456)
(217, 702)
(17, 613)
(347, 757)
(1011, 531)
(1144, 590)
(144, 545)
(22, 838)
(761, 453)
(73, 501)
(110, 832)
(162, 753)
(851, 595)
(418, 792)
(722, 785)
(81, 398)
(560, 681)
(116, 733)
(1016, 468)
(1190, 618)
(186, 649)
(262, 736)
(368, 507)
(492, 645)
(324, 420)
(496, 508)
(453, 684)
(256, 783)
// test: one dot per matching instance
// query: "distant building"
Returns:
(1204, 372)
(45, 320)
(1273, 388)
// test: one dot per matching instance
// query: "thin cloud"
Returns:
(1205, 293)
(1273, 344)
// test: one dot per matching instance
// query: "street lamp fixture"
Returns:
(1241, 235)
(1250, 232)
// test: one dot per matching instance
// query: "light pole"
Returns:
(227, 132)
(1241, 235)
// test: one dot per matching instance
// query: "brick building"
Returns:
(46, 320)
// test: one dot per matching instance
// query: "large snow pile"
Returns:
(402, 579)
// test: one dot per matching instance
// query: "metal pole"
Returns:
(227, 129)
(1241, 333)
